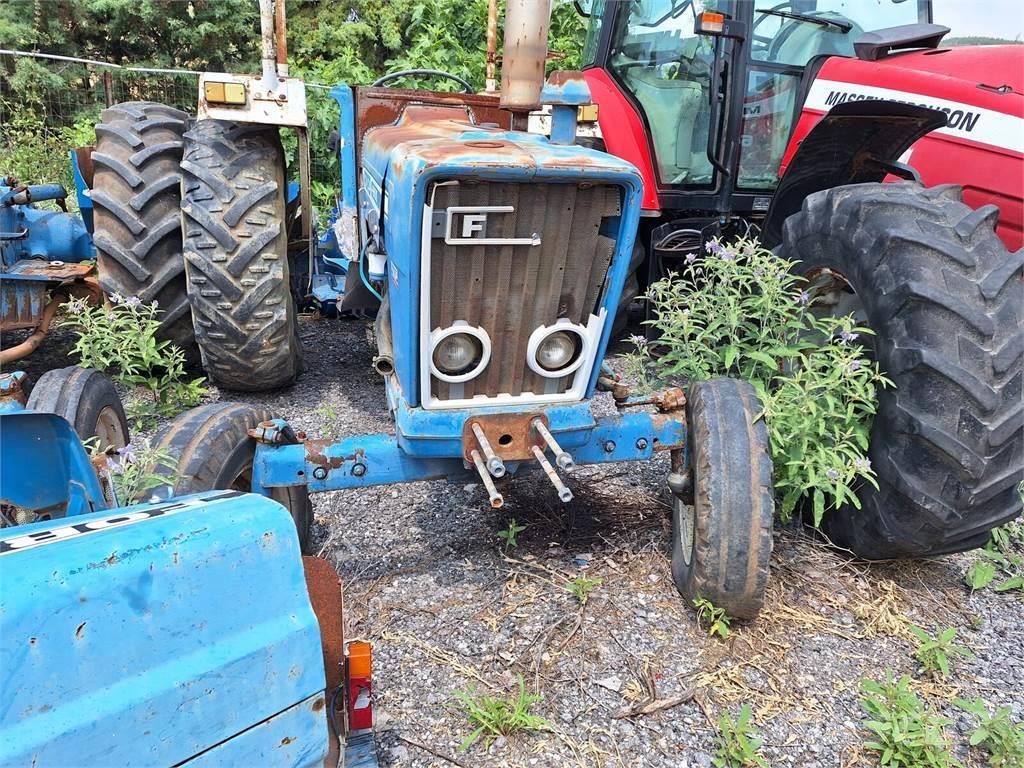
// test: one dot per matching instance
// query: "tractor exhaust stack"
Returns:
(526, 49)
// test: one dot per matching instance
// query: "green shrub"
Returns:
(997, 733)
(739, 311)
(494, 717)
(907, 733)
(935, 652)
(120, 340)
(736, 745)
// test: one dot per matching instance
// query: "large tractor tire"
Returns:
(944, 298)
(87, 400)
(236, 255)
(213, 451)
(137, 220)
(722, 534)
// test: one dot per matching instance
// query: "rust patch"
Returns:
(659, 420)
(510, 434)
(53, 270)
(324, 587)
(286, 741)
(319, 704)
(316, 454)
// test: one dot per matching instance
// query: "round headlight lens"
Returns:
(557, 351)
(457, 353)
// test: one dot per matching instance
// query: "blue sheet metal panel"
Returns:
(269, 742)
(435, 143)
(366, 460)
(146, 635)
(43, 466)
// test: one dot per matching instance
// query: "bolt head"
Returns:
(609, 446)
(319, 473)
(359, 470)
(641, 444)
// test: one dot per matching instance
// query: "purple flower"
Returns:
(127, 454)
(847, 336)
(154, 303)
(715, 248)
(116, 298)
(804, 297)
(76, 306)
(111, 317)
(691, 257)
(749, 249)
(133, 301)
(854, 365)
(638, 341)
(758, 272)
(726, 255)
(862, 465)
(114, 465)
(832, 474)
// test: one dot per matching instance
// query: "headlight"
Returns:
(457, 353)
(557, 350)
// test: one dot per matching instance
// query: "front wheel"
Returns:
(722, 541)
(213, 450)
(87, 400)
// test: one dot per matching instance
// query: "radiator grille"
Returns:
(509, 290)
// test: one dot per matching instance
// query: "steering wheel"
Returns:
(466, 87)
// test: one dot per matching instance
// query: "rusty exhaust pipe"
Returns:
(563, 491)
(281, 29)
(29, 345)
(526, 50)
(497, 500)
(267, 57)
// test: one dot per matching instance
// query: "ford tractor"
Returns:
(181, 631)
(891, 169)
(494, 260)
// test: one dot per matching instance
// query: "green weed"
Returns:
(510, 533)
(492, 717)
(934, 653)
(997, 733)
(581, 587)
(736, 745)
(716, 618)
(135, 469)
(1003, 557)
(907, 733)
(120, 340)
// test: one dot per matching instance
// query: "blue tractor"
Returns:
(183, 631)
(495, 260)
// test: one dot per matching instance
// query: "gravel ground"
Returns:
(449, 610)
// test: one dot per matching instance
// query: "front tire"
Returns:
(213, 450)
(722, 543)
(234, 216)
(87, 400)
(943, 297)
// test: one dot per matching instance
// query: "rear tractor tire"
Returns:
(87, 400)
(137, 221)
(214, 452)
(234, 217)
(946, 303)
(722, 534)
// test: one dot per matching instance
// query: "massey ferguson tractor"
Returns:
(785, 119)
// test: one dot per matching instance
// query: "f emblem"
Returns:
(473, 229)
(473, 222)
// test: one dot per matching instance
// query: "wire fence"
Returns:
(59, 113)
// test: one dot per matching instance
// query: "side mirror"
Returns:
(584, 7)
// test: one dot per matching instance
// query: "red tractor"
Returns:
(891, 168)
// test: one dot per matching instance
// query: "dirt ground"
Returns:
(449, 609)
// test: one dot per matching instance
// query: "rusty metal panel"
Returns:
(324, 586)
(383, 106)
(510, 290)
(21, 303)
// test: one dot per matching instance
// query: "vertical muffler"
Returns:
(526, 50)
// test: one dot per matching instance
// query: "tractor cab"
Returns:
(710, 90)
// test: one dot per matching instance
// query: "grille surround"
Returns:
(509, 289)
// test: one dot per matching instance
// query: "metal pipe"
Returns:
(497, 500)
(29, 345)
(281, 27)
(562, 458)
(494, 464)
(526, 50)
(563, 492)
(267, 56)
(491, 80)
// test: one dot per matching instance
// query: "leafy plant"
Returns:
(133, 470)
(120, 339)
(736, 745)
(581, 587)
(934, 652)
(739, 311)
(997, 733)
(907, 732)
(509, 534)
(1003, 554)
(493, 717)
(716, 618)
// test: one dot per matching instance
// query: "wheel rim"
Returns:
(833, 295)
(109, 429)
(686, 525)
